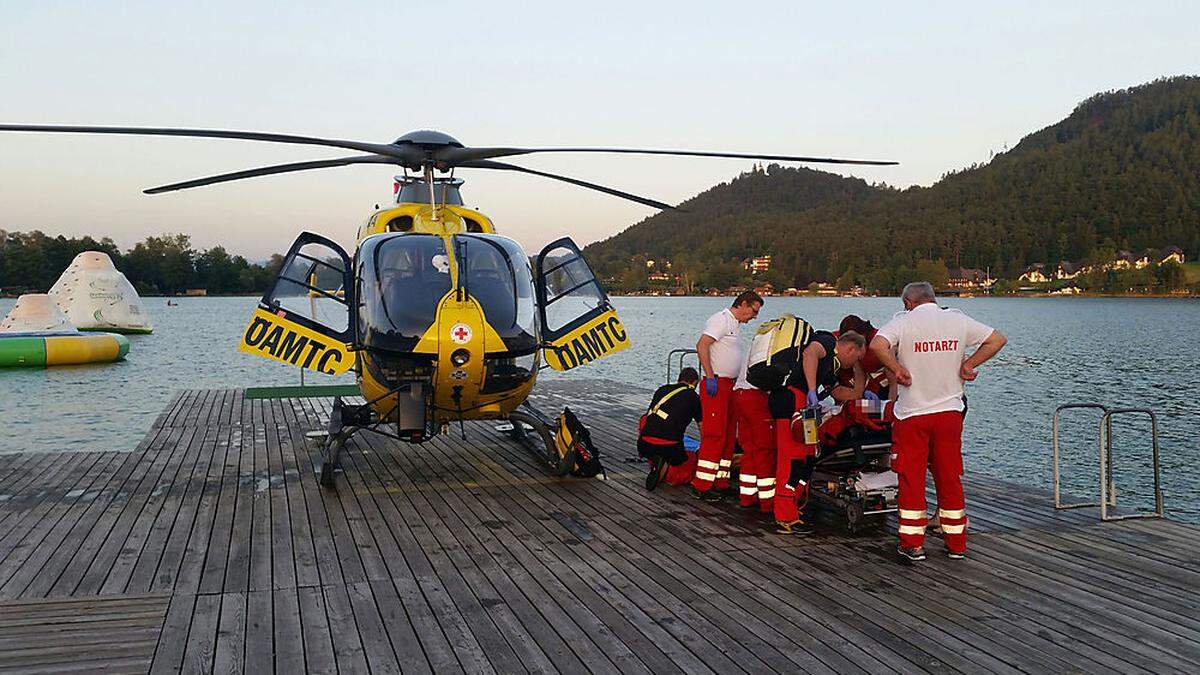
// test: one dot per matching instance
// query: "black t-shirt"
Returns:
(827, 376)
(680, 409)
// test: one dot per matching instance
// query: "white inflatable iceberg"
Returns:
(95, 296)
(35, 312)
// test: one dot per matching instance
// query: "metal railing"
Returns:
(1108, 488)
(677, 356)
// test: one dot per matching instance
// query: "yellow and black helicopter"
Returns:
(440, 318)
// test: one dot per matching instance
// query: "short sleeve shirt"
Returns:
(931, 343)
(725, 353)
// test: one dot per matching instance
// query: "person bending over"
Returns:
(814, 377)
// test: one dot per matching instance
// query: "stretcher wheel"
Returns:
(855, 519)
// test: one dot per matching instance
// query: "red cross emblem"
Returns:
(460, 333)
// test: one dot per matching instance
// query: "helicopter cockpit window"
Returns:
(495, 271)
(402, 279)
(310, 286)
(571, 289)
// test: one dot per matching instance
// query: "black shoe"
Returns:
(711, 496)
(911, 554)
(956, 555)
(656, 472)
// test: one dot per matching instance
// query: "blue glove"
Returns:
(710, 386)
(870, 396)
(813, 401)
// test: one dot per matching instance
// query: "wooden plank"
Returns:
(230, 653)
(260, 572)
(282, 561)
(202, 635)
(343, 631)
(307, 391)
(241, 527)
(314, 621)
(260, 627)
(168, 655)
(289, 643)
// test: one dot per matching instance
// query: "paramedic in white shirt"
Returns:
(926, 347)
(721, 359)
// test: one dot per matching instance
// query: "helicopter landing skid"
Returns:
(344, 421)
(541, 443)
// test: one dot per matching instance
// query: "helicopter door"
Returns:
(579, 324)
(304, 319)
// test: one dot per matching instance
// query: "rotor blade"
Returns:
(455, 156)
(486, 164)
(406, 153)
(269, 170)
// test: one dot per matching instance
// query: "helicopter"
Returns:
(441, 318)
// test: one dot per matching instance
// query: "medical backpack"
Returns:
(775, 350)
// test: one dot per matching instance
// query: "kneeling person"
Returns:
(672, 408)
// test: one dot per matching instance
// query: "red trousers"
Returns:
(793, 458)
(756, 435)
(717, 436)
(791, 472)
(933, 441)
(679, 475)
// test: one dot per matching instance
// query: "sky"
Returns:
(935, 85)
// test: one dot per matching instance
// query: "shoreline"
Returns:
(1159, 296)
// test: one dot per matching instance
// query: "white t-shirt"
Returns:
(725, 353)
(931, 343)
(742, 382)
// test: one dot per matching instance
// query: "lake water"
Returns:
(1121, 352)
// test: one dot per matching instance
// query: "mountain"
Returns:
(1121, 172)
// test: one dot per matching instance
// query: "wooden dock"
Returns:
(211, 548)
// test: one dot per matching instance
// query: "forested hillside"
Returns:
(32, 261)
(1121, 172)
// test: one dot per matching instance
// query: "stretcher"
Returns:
(852, 470)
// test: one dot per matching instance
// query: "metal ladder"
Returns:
(678, 355)
(1108, 489)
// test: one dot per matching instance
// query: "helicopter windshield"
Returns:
(402, 279)
(496, 272)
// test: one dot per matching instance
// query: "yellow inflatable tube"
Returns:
(32, 350)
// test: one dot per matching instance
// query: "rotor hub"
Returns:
(429, 139)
